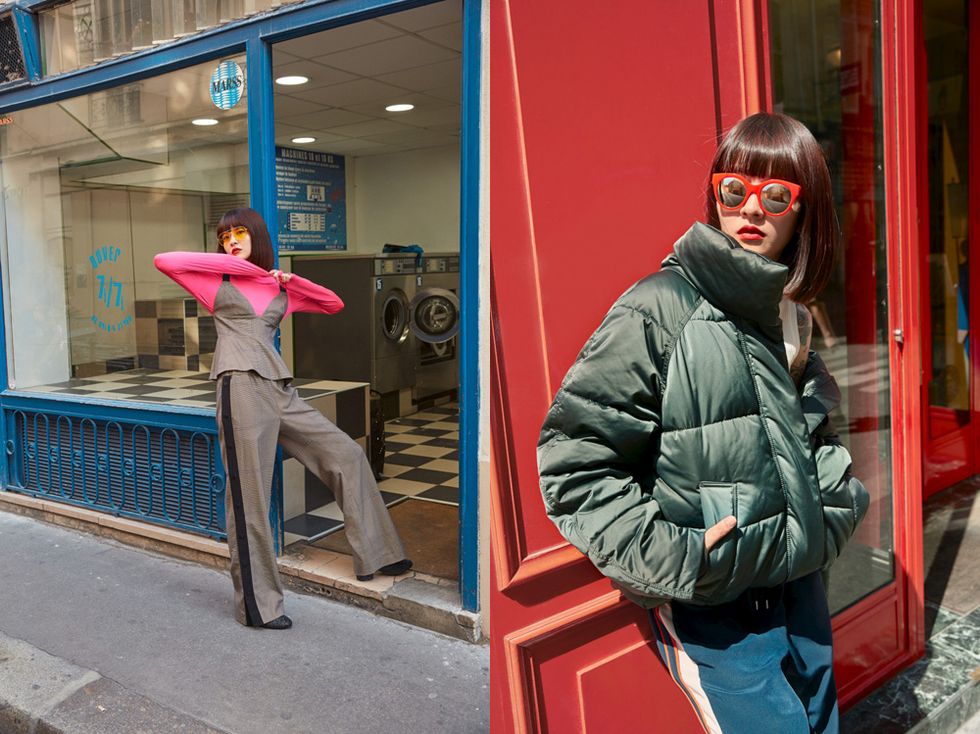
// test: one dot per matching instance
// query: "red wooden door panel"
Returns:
(603, 123)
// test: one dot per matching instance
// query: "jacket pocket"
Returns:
(718, 501)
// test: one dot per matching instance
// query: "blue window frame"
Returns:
(255, 37)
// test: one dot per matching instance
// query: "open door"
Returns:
(600, 147)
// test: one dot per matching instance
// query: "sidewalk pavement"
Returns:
(100, 638)
(972, 726)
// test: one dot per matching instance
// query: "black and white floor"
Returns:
(168, 387)
(421, 461)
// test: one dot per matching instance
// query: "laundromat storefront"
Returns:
(129, 133)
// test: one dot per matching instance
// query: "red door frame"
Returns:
(961, 447)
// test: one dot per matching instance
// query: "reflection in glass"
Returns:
(95, 186)
(826, 73)
(142, 24)
(79, 33)
(207, 13)
(946, 37)
(184, 18)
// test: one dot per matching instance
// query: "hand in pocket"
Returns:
(714, 534)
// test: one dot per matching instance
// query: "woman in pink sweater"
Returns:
(257, 408)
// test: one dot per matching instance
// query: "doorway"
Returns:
(948, 90)
(368, 161)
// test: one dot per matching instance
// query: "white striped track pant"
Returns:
(254, 414)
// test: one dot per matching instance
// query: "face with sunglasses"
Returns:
(760, 214)
(236, 241)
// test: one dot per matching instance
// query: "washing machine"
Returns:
(434, 320)
(395, 286)
(371, 339)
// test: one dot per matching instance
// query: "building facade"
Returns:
(127, 127)
(604, 122)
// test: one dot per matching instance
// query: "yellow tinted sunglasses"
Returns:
(225, 237)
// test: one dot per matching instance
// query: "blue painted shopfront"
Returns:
(160, 463)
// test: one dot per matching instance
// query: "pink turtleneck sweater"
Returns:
(200, 273)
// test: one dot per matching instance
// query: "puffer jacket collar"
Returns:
(735, 280)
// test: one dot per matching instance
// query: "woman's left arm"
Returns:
(845, 500)
(308, 297)
(819, 393)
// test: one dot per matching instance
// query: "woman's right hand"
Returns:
(714, 534)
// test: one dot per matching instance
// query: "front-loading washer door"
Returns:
(395, 316)
(434, 315)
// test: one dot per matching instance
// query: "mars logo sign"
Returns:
(227, 85)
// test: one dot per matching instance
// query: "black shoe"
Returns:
(279, 623)
(392, 569)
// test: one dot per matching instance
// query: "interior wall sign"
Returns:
(227, 85)
(311, 200)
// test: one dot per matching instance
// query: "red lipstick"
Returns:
(750, 233)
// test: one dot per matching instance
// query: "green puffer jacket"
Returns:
(680, 410)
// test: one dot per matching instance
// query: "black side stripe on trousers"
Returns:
(252, 616)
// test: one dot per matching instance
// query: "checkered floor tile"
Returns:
(422, 456)
(421, 461)
(170, 387)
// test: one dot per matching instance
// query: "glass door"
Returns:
(825, 60)
(949, 421)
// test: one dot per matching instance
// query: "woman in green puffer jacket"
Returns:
(688, 452)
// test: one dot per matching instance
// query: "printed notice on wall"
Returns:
(312, 203)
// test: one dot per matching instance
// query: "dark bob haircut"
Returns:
(768, 145)
(251, 220)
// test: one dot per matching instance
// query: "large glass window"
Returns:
(94, 187)
(826, 73)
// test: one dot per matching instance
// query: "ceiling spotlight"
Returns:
(400, 107)
(305, 139)
(292, 81)
(204, 121)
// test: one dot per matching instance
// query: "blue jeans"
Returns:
(759, 664)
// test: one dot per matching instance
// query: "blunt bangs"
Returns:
(768, 145)
(760, 153)
(251, 220)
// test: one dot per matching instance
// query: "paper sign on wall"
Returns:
(311, 200)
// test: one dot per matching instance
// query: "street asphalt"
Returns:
(100, 638)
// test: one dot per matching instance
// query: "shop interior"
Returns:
(368, 169)
(383, 96)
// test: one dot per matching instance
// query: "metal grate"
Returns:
(11, 58)
(169, 476)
